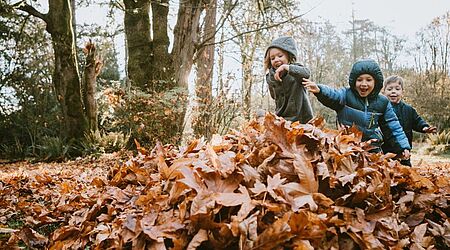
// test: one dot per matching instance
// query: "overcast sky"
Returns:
(402, 17)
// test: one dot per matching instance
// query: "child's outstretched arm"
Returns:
(406, 154)
(332, 98)
(420, 125)
(296, 70)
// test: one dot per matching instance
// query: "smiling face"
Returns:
(278, 57)
(364, 85)
(394, 91)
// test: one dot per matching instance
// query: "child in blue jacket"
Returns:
(284, 77)
(363, 105)
(407, 115)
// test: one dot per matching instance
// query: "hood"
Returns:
(367, 66)
(286, 43)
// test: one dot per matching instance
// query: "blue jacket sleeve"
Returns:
(392, 123)
(332, 98)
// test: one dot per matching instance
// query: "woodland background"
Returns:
(62, 93)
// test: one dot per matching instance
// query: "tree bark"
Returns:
(162, 78)
(247, 57)
(91, 70)
(205, 65)
(65, 75)
(186, 40)
(139, 44)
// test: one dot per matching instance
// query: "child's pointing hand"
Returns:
(311, 86)
(281, 71)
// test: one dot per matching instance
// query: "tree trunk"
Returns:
(248, 43)
(91, 70)
(205, 66)
(247, 83)
(153, 68)
(184, 48)
(65, 75)
(163, 70)
(139, 45)
(186, 40)
(73, 5)
(220, 62)
(248, 51)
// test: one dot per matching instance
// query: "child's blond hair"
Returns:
(393, 78)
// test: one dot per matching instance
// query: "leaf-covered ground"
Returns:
(271, 185)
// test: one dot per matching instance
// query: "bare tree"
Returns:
(324, 51)
(388, 49)
(431, 79)
(205, 65)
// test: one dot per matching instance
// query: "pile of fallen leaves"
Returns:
(274, 184)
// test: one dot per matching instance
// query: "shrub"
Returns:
(148, 117)
(439, 138)
(98, 142)
(53, 149)
(438, 143)
(13, 151)
(217, 116)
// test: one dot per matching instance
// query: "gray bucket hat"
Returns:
(286, 43)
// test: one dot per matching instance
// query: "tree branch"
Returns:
(221, 22)
(255, 30)
(23, 6)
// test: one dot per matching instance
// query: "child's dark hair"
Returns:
(268, 65)
(394, 78)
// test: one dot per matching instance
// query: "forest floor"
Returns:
(104, 163)
(107, 161)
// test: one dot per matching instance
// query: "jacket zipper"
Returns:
(365, 110)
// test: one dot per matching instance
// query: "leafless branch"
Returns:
(221, 22)
(23, 6)
(256, 30)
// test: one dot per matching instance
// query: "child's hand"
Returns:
(311, 86)
(281, 71)
(406, 154)
(431, 129)
(368, 143)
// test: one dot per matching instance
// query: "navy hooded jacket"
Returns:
(367, 113)
(409, 120)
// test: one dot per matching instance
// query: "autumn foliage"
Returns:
(272, 185)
